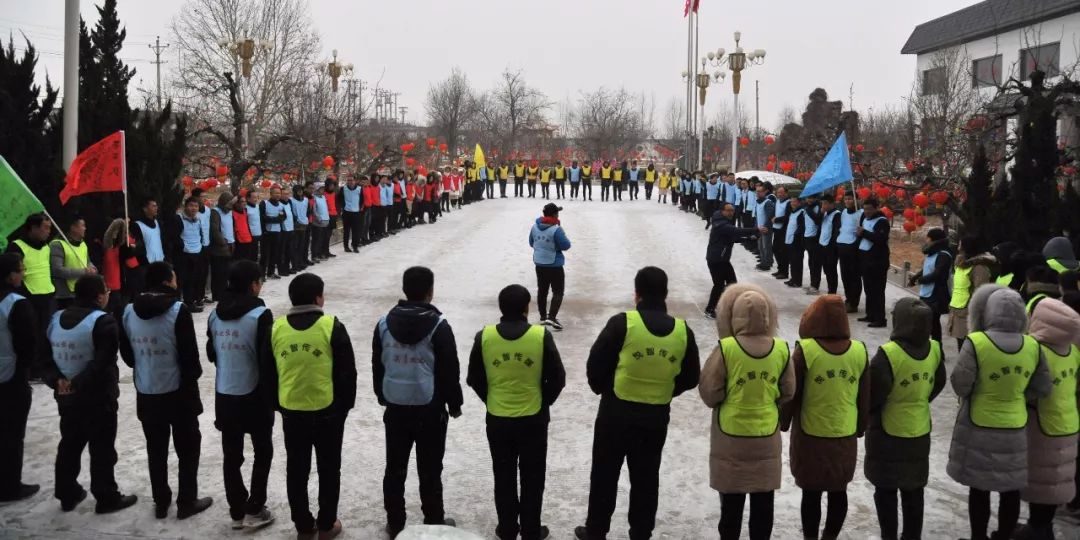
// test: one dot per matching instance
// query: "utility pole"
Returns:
(757, 108)
(393, 104)
(403, 110)
(157, 47)
(71, 81)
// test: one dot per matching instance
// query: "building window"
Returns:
(1043, 57)
(986, 72)
(933, 81)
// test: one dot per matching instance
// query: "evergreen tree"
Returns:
(1069, 216)
(1033, 194)
(974, 210)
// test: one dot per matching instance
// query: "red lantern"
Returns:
(410, 162)
(883, 192)
(265, 184)
(770, 166)
(328, 162)
(939, 197)
(222, 170)
(744, 142)
(371, 147)
(887, 212)
(840, 191)
(920, 220)
(443, 148)
(900, 194)
(772, 157)
(787, 166)
(769, 140)
(921, 200)
(187, 181)
(910, 166)
(909, 227)
(859, 148)
(909, 214)
(314, 165)
(863, 192)
(431, 142)
(406, 147)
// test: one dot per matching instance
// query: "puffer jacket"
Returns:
(899, 462)
(743, 464)
(986, 458)
(1051, 460)
(818, 463)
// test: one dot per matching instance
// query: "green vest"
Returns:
(38, 277)
(961, 293)
(648, 363)
(1034, 300)
(75, 258)
(831, 390)
(998, 399)
(1057, 412)
(907, 408)
(1056, 265)
(1004, 280)
(753, 387)
(513, 371)
(305, 364)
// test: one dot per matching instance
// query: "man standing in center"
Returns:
(415, 372)
(641, 360)
(549, 241)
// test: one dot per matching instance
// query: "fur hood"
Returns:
(746, 310)
(983, 259)
(114, 235)
(825, 318)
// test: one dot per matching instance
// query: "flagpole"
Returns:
(123, 179)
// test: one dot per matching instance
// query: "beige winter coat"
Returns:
(743, 464)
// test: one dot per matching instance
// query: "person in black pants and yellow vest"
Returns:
(516, 371)
(311, 379)
(519, 179)
(16, 356)
(415, 373)
(641, 360)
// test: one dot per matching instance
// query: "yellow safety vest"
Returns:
(1032, 301)
(1058, 416)
(305, 364)
(560, 173)
(491, 174)
(471, 174)
(618, 175)
(650, 176)
(831, 390)
(532, 173)
(75, 258)
(1004, 280)
(998, 399)
(605, 173)
(1056, 265)
(545, 176)
(38, 277)
(513, 370)
(961, 293)
(586, 171)
(907, 408)
(753, 388)
(665, 181)
(519, 171)
(648, 364)
(504, 172)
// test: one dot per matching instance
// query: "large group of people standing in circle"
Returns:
(1014, 315)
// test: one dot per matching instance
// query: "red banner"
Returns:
(98, 168)
(691, 5)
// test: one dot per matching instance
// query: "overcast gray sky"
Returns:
(566, 46)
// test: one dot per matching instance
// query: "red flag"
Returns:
(691, 5)
(98, 168)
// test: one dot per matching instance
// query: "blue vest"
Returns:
(792, 225)
(299, 210)
(237, 353)
(926, 290)
(352, 198)
(849, 221)
(713, 191)
(781, 211)
(810, 227)
(386, 195)
(543, 241)
(825, 237)
(273, 210)
(322, 211)
(760, 217)
(634, 174)
(152, 241)
(153, 341)
(288, 224)
(254, 221)
(191, 234)
(750, 202)
(866, 244)
(72, 350)
(732, 194)
(225, 218)
(204, 221)
(575, 175)
(7, 350)
(409, 376)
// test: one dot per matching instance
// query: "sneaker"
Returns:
(334, 531)
(555, 324)
(184, 511)
(793, 285)
(71, 503)
(710, 314)
(259, 519)
(544, 532)
(544, 321)
(116, 505)
(852, 309)
(347, 250)
(781, 276)
(863, 319)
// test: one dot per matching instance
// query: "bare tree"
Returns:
(451, 106)
(787, 116)
(610, 122)
(675, 119)
(517, 105)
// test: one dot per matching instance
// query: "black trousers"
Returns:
(502, 188)
(284, 258)
(551, 278)
(874, 276)
(367, 215)
(979, 513)
(834, 516)
(490, 184)
(1041, 518)
(424, 426)
(829, 258)
(248, 251)
(519, 187)
(616, 189)
(241, 501)
(605, 189)
(219, 275)
(911, 501)
(518, 445)
(560, 189)
(444, 201)
(269, 253)
(81, 427)
(616, 439)
(188, 271)
(723, 274)
(586, 189)
(316, 247)
(648, 190)
(545, 191)
(575, 188)
(634, 187)
(15, 398)
(532, 189)
(301, 241)
(324, 434)
(350, 229)
(187, 440)
(850, 273)
(813, 256)
(779, 248)
(731, 515)
(794, 254)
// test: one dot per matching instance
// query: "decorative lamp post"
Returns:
(245, 50)
(335, 69)
(703, 79)
(737, 61)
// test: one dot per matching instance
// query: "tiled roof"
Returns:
(982, 20)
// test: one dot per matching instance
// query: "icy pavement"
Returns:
(474, 254)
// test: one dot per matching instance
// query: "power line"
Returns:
(157, 47)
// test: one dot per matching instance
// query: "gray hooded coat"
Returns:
(986, 458)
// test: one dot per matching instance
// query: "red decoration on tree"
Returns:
(770, 166)
(772, 157)
(909, 213)
(910, 166)
(407, 147)
(840, 191)
(744, 142)
(863, 193)
(313, 165)
(887, 212)
(371, 147)
(187, 181)
(328, 162)
(266, 184)
(221, 170)
(909, 227)
(920, 220)
(883, 192)
(769, 140)
(787, 166)
(859, 148)
(921, 200)
(431, 142)
(443, 147)
(900, 194)
(939, 198)
(410, 162)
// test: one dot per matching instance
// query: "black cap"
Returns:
(551, 209)
(936, 234)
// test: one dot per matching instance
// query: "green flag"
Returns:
(16, 202)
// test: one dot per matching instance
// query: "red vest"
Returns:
(331, 203)
(447, 182)
(111, 268)
(240, 226)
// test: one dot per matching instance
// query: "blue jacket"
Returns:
(562, 243)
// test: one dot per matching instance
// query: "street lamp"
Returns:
(335, 69)
(703, 79)
(245, 49)
(737, 61)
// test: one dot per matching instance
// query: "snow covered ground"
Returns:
(474, 254)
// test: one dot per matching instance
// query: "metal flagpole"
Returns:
(123, 177)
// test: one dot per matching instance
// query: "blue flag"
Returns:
(834, 170)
